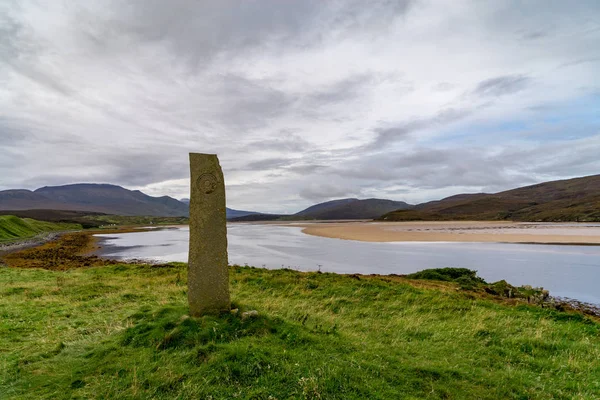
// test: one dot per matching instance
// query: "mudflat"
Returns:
(456, 231)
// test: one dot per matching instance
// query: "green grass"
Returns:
(12, 227)
(122, 332)
(107, 220)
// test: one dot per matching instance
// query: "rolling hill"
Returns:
(21, 199)
(112, 199)
(351, 209)
(98, 198)
(12, 227)
(576, 199)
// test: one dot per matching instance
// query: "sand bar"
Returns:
(456, 231)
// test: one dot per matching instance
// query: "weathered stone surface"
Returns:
(208, 278)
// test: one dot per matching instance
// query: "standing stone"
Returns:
(208, 276)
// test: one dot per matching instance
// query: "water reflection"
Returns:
(568, 271)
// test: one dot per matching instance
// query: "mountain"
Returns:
(231, 213)
(259, 217)
(324, 207)
(351, 209)
(576, 199)
(21, 199)
(112, 199)
(99, 198)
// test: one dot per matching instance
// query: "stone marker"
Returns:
(208, 276)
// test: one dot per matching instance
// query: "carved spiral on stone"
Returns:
(207, 183)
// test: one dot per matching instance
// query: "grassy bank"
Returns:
(121, 331)
(122, 220)
(13, 228)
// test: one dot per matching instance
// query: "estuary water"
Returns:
(567, 271)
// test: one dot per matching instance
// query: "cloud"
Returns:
(267, 164)
(502, 85)
(302, 101)
(389, 135)
(319, 191)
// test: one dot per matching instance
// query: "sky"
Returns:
(303, 100)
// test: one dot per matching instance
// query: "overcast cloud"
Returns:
(303, 101)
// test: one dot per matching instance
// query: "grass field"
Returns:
(121, 331)
(12, 227)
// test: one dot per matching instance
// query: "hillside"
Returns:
(97, 198)
(112, 199)
(12, 227)
(231, 213)
(324, 207)
(22, 199)
(351, 209)
(259, 217)
(576, 199)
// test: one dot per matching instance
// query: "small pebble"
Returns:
(249, 314)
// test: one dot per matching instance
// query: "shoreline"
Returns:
(87, 253)
(30, 242)
(456, 231)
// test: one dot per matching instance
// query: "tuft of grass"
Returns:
(460, 275)
(122, 331)
(12, 227)
(468, 280)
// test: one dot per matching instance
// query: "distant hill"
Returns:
(351, 209)
(98, 198)
(112, 199)
(231, 213)
(576, 199)
(324, 207)
(21, 199)
(258, 217)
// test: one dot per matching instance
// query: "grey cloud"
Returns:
(249, 104)
(389, 135)
(10, 30)
(443, 86)
(502, 85)
(431, 169)
(340, 91)
(11, 133)
(267, 164)
(580, 61)
(45, 79)
(312, 99)
(307, 169)
(321, 191)
(133, 170)
(145, 168)
(533, 34)
(199, 30)
(284, 141)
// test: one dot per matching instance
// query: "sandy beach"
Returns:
(456, 231)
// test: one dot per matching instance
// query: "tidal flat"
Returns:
(457, 231)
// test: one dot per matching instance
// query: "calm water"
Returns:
(567, 271)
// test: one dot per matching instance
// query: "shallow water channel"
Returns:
(567, 271)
